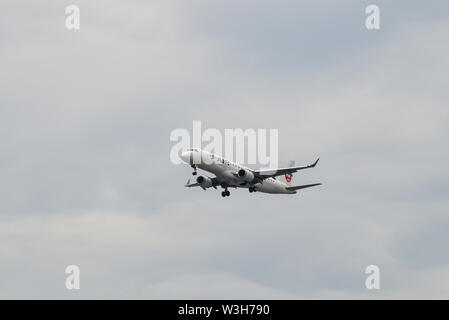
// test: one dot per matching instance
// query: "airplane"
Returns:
(229, 174)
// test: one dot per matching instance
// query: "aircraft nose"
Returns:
(185, 156)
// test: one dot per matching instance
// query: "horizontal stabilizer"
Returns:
(303, 186)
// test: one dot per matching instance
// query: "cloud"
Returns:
(84, 137)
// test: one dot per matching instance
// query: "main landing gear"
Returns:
(194, 170)
(225, 193)
(252, 189)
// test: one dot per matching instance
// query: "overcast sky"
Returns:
(86, 178)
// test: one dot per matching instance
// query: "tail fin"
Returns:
(287, 178)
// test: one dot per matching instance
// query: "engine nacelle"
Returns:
(246, 175)
(204, 182)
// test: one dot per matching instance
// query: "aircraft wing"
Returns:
(215, 183)
(263, 174)
(189, 185)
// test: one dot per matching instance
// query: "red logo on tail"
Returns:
(288, 177)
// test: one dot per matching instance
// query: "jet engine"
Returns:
(246, 175)
(205, 182)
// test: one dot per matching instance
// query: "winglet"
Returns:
(187, 183)
(314, 164)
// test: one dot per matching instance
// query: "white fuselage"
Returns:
(226, 171)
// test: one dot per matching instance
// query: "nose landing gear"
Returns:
(225, 193)
(194, 170)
